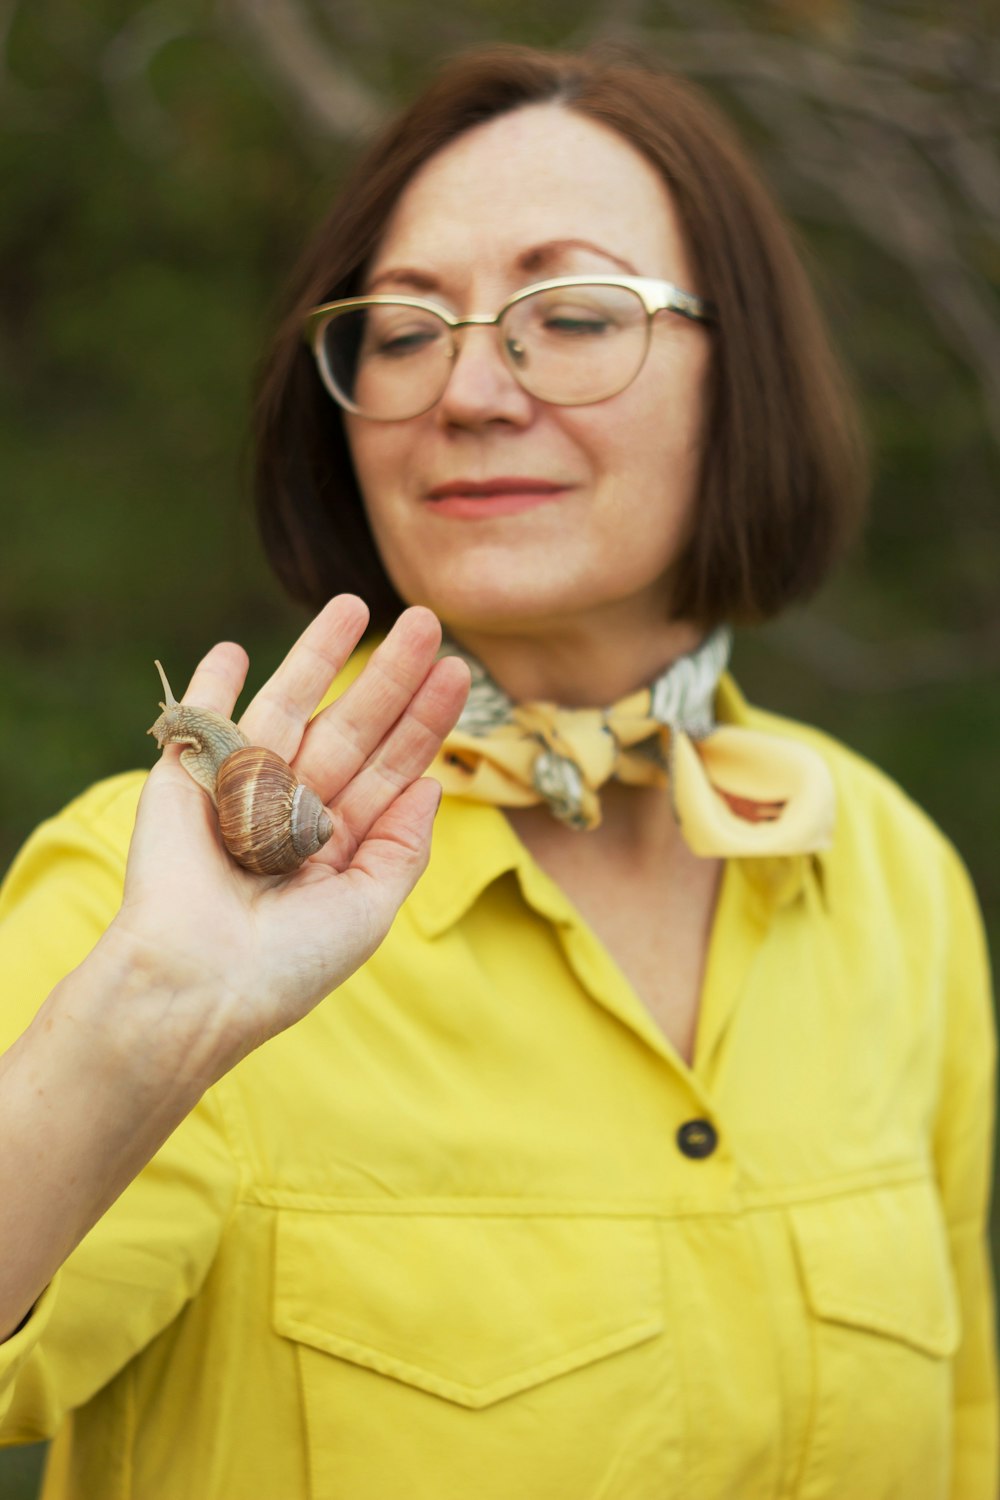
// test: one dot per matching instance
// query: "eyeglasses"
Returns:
(571, 341)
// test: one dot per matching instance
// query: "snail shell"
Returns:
(269, 820)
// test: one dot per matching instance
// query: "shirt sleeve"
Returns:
(963, 1146)
(150, 1253)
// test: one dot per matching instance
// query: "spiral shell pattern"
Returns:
(270, 822)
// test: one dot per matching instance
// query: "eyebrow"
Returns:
(532, 259)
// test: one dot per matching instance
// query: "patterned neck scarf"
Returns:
(734, 791)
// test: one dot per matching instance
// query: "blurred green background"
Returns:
(161, 165)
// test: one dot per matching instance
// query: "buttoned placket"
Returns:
(479, 839)
(705, 1171)
(749, 901)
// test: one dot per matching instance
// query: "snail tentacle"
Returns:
(167, 690)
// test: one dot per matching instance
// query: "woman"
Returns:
(648, 1152)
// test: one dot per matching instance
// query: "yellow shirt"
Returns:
(450, 1237)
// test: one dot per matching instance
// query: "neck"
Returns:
(581, 664)
(637, 824)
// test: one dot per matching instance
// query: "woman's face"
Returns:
(535, 194)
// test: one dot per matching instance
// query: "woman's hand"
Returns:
(204, 961)
(244, 956)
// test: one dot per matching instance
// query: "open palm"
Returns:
(256, 953)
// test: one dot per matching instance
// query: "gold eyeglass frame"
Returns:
(656, 296)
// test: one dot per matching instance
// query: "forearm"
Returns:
(203, 961)
(111, 1064)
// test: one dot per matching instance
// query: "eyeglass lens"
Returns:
(566, 345)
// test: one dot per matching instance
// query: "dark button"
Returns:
(697, 1138)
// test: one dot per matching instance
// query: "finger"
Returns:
(218, 678)
(341, 739)
(396, 851)
(279, 713)
(381, 875)
(216, 684)
(407, 750)
(175, 830)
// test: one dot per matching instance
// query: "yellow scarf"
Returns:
(733, 791)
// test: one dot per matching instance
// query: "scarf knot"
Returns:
(734, 791)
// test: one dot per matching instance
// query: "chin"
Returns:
(483, 613)
(498, 589)
(489, 607)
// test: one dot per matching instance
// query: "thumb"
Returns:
(175, 821)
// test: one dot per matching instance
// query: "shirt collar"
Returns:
(474, 844)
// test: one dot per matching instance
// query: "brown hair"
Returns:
(783, 479)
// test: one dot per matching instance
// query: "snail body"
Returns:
(269, 820)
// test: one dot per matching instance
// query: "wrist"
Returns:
(149, 1023)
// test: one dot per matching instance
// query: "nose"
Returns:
(481, 387)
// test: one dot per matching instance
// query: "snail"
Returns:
(269, 820)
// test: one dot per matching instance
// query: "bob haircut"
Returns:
(783, 479)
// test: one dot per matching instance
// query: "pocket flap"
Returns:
(472, 1308)
(879, 1261)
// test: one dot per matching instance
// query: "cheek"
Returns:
(380, 456)
(659, 439)
(368, 448)
(644, 450)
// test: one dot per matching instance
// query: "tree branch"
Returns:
(333, 99)
(844, 661)
(124, 69)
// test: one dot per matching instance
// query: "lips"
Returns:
(485, 500)
(502, 485)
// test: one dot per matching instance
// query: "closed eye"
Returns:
(574, 327)
(401, 343)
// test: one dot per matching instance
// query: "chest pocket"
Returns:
(457, 1354)
(879, 1287)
